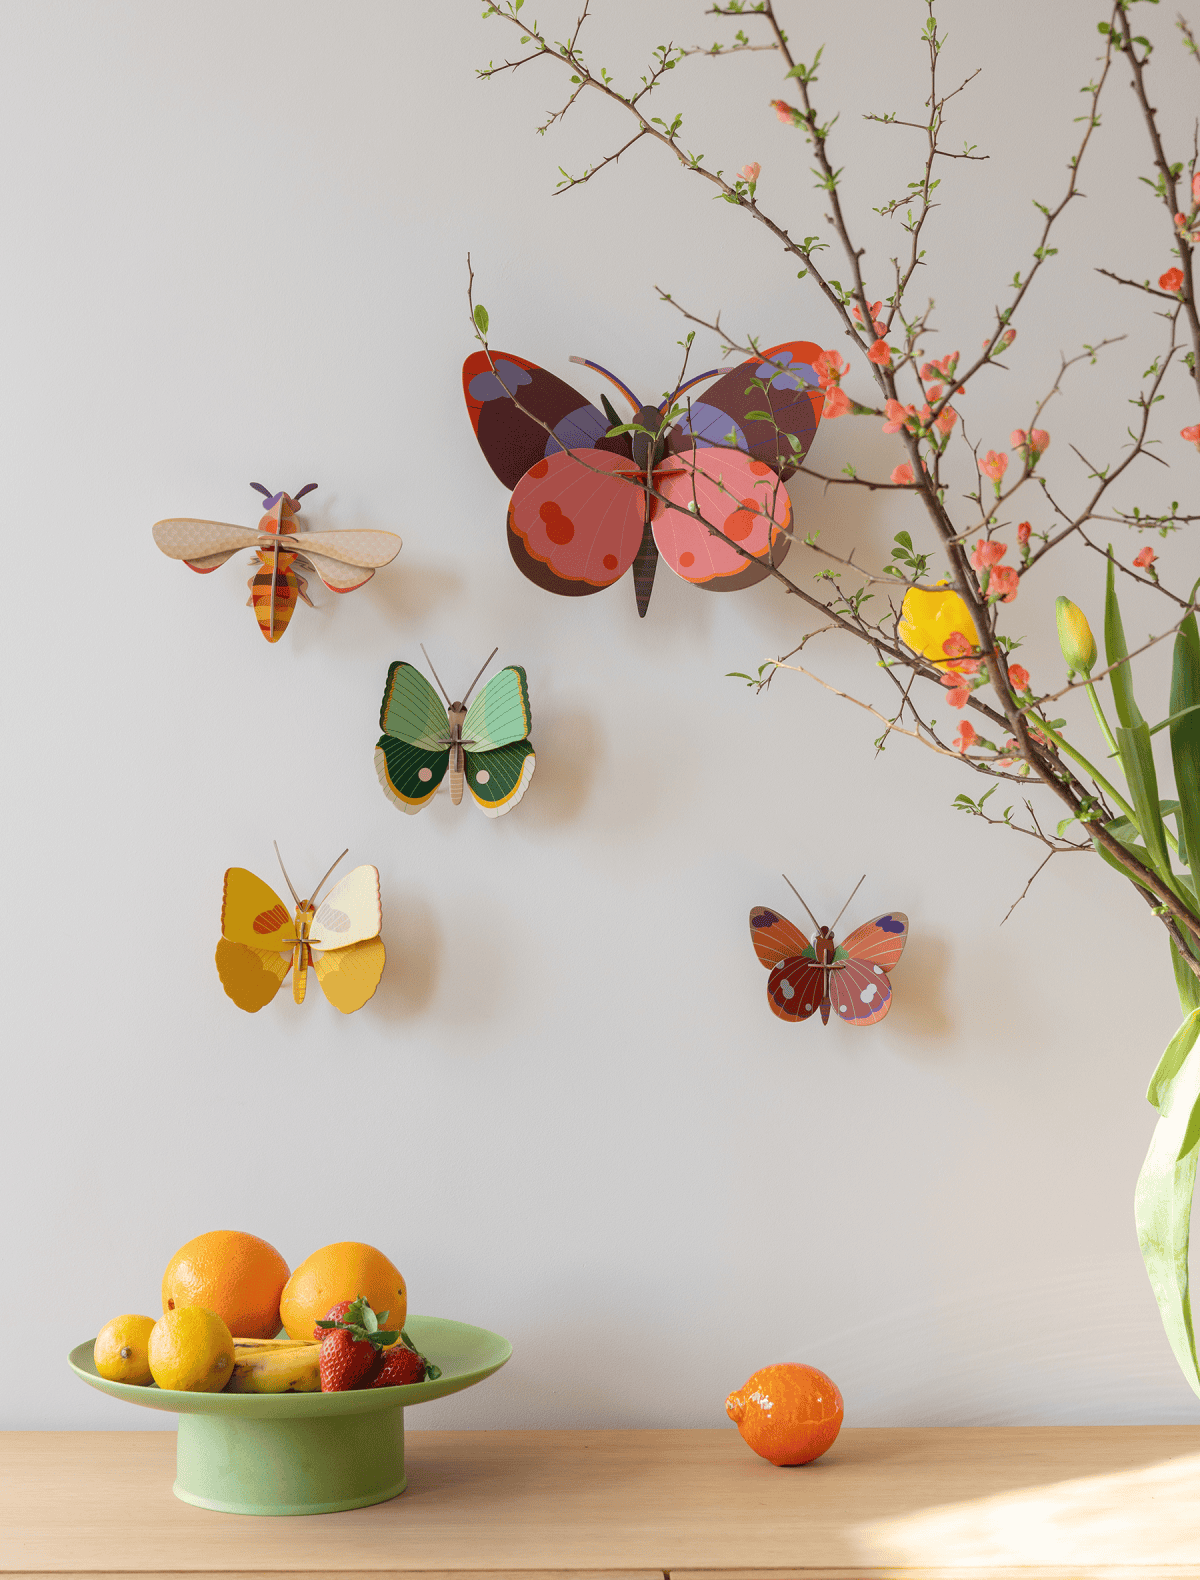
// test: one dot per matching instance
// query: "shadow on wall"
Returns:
(918, 1012)
(411, 591)
(413, 941)
(568, 752)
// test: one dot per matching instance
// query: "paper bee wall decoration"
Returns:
(582, 512)
(261, 940)
(805, 977)
(483, 746)
(343, 560)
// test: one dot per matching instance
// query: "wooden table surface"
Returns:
(1044, 1501)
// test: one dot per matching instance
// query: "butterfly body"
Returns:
(585, 505)
(483, 747)
(822, 975)
(262, 939)
(343, 560)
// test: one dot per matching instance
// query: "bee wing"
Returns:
(336, 576)
(182, 538)
(355, 546)
(210, 562)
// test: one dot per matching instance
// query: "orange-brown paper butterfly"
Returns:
(805, 977)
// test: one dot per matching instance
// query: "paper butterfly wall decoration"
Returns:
(343, 560)
(261, 941)
(578, 521)
(853, 976)
(483, 746)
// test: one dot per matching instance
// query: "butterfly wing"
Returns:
(498, 779)
(792, 395)
(513, 441)
(411, 709)
(350, 913)
(251, 977)
(252, 957)
(409, 775)
(794, 988)
(880, 941)
(774, 937)
(574, 522)
(349, 976)
(500, 713)
(736, 493)
(860, 993)
(201, 544)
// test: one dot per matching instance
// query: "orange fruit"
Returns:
(342, 1272)
(787, 1413)
(237, 1275)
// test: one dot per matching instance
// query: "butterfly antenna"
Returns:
(853, 892)
(800, 897)
(612, 378)
(317, 890)
(436, 677)
(300, 492)
(475, 682)
(286, 879)
(698, 379)
(258, 488)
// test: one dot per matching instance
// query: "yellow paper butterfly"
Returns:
(261, 941)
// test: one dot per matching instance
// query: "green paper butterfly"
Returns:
(484, 745)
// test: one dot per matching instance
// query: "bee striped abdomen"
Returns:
(286, 591)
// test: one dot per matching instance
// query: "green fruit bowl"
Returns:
(305, 1453)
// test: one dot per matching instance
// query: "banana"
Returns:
(275, 1366)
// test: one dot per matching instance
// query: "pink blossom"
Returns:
(785, 112)
(1192, 434)
(897, 416)
(994, 465)
(1004, 583)
(1007, 338)
(987, 552)
(958, 690)
(1011, 745)
(877, 323)
(1024, 528)
(946, 419)
(903, 475)
(942, 368)
(880, 354)
(1196, 187)
(958, 650)
(1019, 676)
(837, 403)
(1144, 557)
(830, 368)
(1032, 445)
(1172, 280)
(750, 173)
(966, 736)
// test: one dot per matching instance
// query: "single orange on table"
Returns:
(237, 1275)
(788, 1413)
(342, 1272)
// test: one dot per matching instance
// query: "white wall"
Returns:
(234, 246)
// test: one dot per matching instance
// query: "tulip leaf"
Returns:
(1116, 652)
(1187, 983)
(1163, 1200)
(1185, 736)
(1137, 759)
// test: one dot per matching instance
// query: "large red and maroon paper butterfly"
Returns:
(805, 977)
(582, 511)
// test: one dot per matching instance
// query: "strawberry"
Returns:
(350, 1346)
(335, 1314)
(403, 1364)
(396, 1367)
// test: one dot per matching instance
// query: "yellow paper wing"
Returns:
(253, 914)
(251, 977)
(351, 913)
(350, 976)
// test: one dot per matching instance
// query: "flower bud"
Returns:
(1075, 637)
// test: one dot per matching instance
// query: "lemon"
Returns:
(121, 1349)
(191, 1351)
